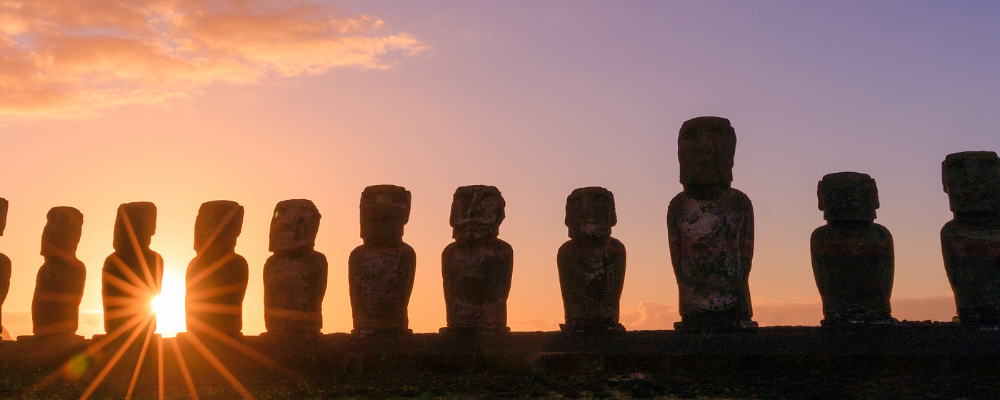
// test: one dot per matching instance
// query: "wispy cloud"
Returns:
(69, 59)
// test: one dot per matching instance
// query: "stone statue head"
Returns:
(384, 211)
(476, 212)
(62, 232)
(847, 196)
(972, 181)
(141, 216)
(218, 225)
(294, 226)
(590, 212)
(3, 215)
(706, 148)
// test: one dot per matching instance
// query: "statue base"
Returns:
(473, 330)
(381, 332)
(850, 323)
(715, 326)
(592, 328)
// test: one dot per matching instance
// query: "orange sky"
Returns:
(184, 101)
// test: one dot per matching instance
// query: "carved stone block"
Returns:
(710, 229)
(592, 263)
(477, 267)
(852, 256)
(295, 275)
(55, 306)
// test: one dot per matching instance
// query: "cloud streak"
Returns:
(71, 59)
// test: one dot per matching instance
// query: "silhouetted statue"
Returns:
(295, 276)
(710, 229)
(4, 261)
(381, 270)
(217, 277)
(592, 263)
(852, 256)
(477, 267)
(971, 241)
(132, 275)
(55, 307)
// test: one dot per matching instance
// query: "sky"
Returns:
(179, 102)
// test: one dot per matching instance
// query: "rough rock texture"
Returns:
(710, 229)
(592, 263)
(381, 270)
(295, 275)
(217, 277)
(132, 275)
(55, 307)
(477, 267)
(852, 256)
(4, 261)
(971, 241)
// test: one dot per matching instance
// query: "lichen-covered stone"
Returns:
(710, 229)
(132, 275)
(592, 263)
(477, 267)
(381, 270)
(295, 275)
(852, 256)
(971, 241)
(217, 277)
(5, 269)
(55, 306)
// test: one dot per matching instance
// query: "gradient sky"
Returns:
(179, 102)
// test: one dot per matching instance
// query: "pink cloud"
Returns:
(67, 59)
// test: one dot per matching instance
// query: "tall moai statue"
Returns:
(5, 270)
(710, 229)
(852, 256)
(477, 267)
(971, 241)
(217, 277)
(295, 275)
(592, 263)
(55, 307)
(381, 270)
(132, 275)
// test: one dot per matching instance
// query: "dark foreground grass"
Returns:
(862, 383)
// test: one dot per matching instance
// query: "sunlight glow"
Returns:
(169, 305)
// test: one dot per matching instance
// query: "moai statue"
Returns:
(852, 256)
(295, 275)
(710, 229)
(477, 267)
(55, 307)
(381, 270)
(4, 261)
(971, 241)
(132, 275)
(592, 263)
(217, 277)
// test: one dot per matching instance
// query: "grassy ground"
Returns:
(860, 384)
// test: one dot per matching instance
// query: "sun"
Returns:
(169, 305)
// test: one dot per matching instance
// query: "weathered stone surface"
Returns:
(592, 263)
(295, 275)
(381, 270)
(971, 241)
(5, 270)
(710, 229)
(55, 306)
(477, 267)
(217, 277)
(132, 275)
(852, 256)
